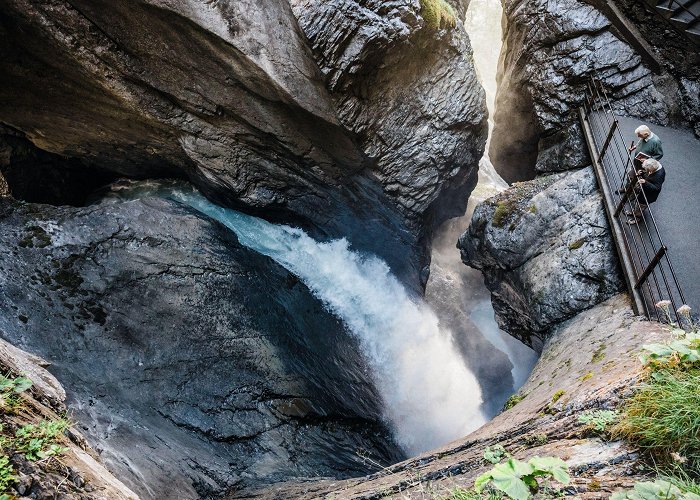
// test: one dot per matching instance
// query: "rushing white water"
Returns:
(429, 396)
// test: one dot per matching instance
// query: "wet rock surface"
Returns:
(546, 252)
(409, 93)
(589, 362)
(193, 365)
(551, 48)
(384, 138)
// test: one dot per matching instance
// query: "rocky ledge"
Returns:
(191, 364)
(588, 363)
(546, 252)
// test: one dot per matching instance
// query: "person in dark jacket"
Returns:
(649, 146)
(648, 188)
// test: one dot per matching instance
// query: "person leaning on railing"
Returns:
(649, 146)
(648, 188)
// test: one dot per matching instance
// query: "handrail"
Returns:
(646, 263)
(678, 6)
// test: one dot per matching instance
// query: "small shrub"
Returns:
(585, 377)
(438, 14)
(518, 480)
(684, 350)
(532, 209)
(513, 400)
(495, 454)
(597, 420)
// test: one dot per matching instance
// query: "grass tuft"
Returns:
(663, 417)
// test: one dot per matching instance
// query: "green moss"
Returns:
(36, 237)
(598, 354)
(503, 211)
(532, 209)
(575, 245)
(438, 14)
(557, 395)
(586, 376)
(536, 439)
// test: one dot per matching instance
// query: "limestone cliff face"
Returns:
(409, 93)
(550, 49)
(588, 363)
(361, 116)
(192, 364)
(545, 249)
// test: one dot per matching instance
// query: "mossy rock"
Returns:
(438, 14)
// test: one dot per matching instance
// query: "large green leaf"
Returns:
(21, 384)
(481, 481)
(552, 465)
(507, 478)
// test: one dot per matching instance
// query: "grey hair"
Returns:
(651, 165)
(642, 129)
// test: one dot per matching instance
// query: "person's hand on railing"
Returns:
(632, 147)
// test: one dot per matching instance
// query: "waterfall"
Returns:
(429, 395)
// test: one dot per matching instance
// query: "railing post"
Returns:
(608, 139)
(650, 268)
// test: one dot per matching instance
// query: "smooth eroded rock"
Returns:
(193, 364)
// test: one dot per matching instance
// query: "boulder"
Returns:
(546, 252)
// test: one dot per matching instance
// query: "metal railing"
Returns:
(690, 20)
(645, 258)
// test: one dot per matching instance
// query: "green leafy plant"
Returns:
(519, 480)
(7, 473)
(10, 389)
(495, 454)
(684, 350)
(38, 440)
(659, 489)
(598, 420)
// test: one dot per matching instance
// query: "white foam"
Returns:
(430, 397)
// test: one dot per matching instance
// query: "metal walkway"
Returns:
(684, 15)
(644, 255)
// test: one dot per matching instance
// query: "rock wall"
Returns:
(192, 364)
(545, 249)
(550, 49)
(387, 133)
(409, 93)
(588, 363)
